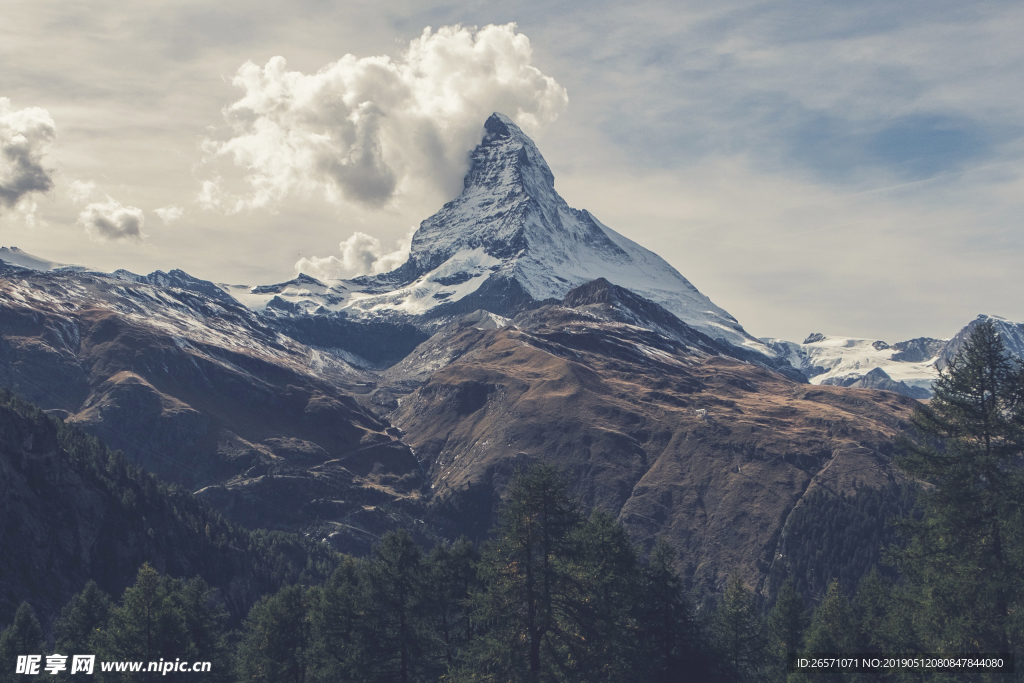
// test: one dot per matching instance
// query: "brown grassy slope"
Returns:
(619, 415)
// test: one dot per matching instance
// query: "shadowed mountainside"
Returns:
(71, 510)
(199, 390)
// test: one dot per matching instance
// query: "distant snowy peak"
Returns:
(843, 361)
(1011, 333)
(872, 363)
(13, 256)
(508, 242)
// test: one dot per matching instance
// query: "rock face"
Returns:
(200, 390)
(1011, 333)
(703, 449)
(878, 379)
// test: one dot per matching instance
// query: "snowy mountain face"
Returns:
(12, 256)
(507, 243)
(908, 367)
(1011, 333)
(845, 361)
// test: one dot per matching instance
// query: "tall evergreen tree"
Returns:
(964, 564)
(205, 618)
(524, 570)
(23, 637)
(599, 640)
(787, 620)
(740, 633)
(673, 647)
(81, 620)
(452, 577)
(147, 625)
(337, 615)
(399, 646)
(275, 638)
(832, 631)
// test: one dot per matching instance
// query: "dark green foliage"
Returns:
(335, 620)
(147, 625)
(398, 639)
(523, 607)
(832, 630)
(451, 579)
(23, 637)
(158, 617)
(963, 567)
(787, 620)
(274, 646)
(740, 634)
(137, 518)
(80, 623)
(840, 537)
(670, 635)
(604, 584)
(205, 617)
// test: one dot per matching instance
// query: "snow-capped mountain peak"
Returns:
(509, 241)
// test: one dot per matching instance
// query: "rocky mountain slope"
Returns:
(72, 511)
(197, 388)
(702, 449)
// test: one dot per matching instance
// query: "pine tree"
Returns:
(524, 573)
(147, 625)
(787, 620)
(399, 646)
(452, 577)
(673, 644)
(740, 633)
(275, 638)
(337, 615)
(23, 637)
(600, 637)
(832, 631)
(964, 564)
(80, 623)
(81, 620)
(205, 618)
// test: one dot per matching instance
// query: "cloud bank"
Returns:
(364, 130)
(110, 220)
(25, 137)
(361, 254)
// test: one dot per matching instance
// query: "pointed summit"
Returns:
(507, 157)
(509, 242)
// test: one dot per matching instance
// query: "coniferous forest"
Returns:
(556, 595)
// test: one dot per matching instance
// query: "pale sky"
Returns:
(848, 168)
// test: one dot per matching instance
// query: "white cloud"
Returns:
(110, 220)
(25, 137)
(361, 254)
(169, 214)
(80, 191)
(210, 196)
(363, 130)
